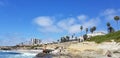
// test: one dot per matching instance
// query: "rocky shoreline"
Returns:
(79, 50)
(86, 50)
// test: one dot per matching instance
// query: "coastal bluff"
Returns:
(89, 49)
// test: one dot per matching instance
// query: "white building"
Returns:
(35, 41)
(95, 34)
(91, 34)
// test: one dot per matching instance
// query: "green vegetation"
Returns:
(107, 38)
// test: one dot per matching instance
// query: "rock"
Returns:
(43, 55)
(55, 52)
(87, 50)
(94, 50)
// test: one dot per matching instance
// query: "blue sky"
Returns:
(48, 20)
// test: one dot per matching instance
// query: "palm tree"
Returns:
(62, 39)
(67, 38)
(109, 27)
(94, 28)
(91, 30)
(81, 28)
(73, 35)
(57, 40)
(108, 24)
(86, 30)
(85, 37)
(116, 18)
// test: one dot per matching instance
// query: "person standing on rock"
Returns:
(44, 49)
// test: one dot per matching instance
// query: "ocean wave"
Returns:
(21, 53)
(12, 54)
(29, 54)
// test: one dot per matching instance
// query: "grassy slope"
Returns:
(108, 37)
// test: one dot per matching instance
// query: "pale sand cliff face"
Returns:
(93, 48)
(90, 49)
(83, 46)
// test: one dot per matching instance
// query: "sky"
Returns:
(48, 20)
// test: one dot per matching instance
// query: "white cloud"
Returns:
(72, 24)
(71, 21)
(50, 29)
(69, 25)
(66, 23)
(46, 24)
(109, 14)
(82, 18)
(91, 23)
(74, 28)
(44, 21)
(86, 24)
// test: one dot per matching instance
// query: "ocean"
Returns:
(10, 54)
